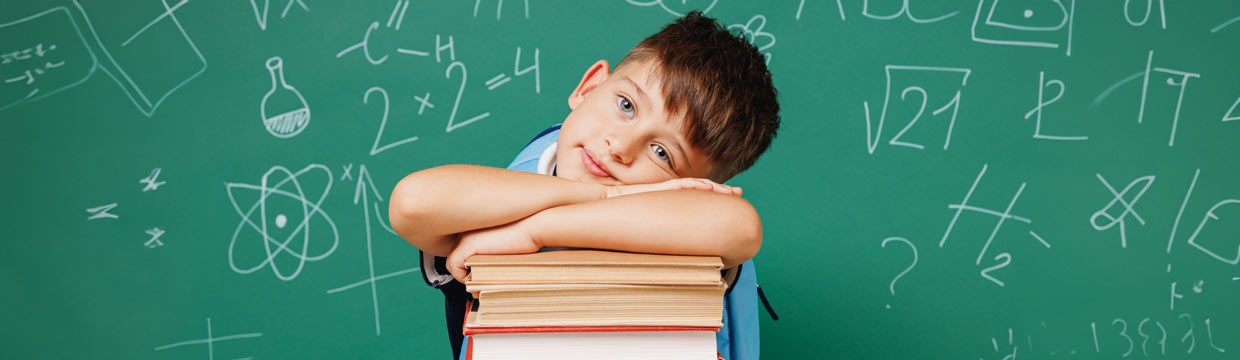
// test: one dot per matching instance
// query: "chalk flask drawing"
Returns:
(285, 112)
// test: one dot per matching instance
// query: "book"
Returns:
(594, 266)
(596, 288)
(598, 305)
(585, 342)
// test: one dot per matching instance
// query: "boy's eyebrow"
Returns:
(684, 163)
(640, 93)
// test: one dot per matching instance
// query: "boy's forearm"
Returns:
(682, 222)
(430, 206)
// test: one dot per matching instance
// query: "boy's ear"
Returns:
(593, 77)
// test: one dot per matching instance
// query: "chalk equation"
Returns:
(261, 17)
(874, 132)
(1002, 259)
(1123, 337)
(280, 237)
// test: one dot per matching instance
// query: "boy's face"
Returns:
(619, 133)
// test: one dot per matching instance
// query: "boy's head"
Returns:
(692, 100)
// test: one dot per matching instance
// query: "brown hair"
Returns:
(722, 86)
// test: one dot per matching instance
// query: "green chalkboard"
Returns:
(953, 179)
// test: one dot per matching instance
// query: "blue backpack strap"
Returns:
(739, 338)
(527, 160)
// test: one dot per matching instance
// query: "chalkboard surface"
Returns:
(954, 179)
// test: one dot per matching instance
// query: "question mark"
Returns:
(910, 267)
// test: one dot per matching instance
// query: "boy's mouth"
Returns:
(593, 166)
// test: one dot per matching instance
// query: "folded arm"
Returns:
(458, 211)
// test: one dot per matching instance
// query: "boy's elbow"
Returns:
(747, 229)
(405, 209)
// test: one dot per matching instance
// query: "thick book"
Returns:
(586, 342)
(598, 305)
(593, 267)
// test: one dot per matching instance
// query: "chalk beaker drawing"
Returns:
(284, 110)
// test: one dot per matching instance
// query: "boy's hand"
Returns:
(512, 238)
(673, 184)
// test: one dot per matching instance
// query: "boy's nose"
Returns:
(619, 149)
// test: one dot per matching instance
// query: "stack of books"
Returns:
(591, 304)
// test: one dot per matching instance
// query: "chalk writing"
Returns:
(680, 11)
(210, 340)
(262, 17)
(1042, 103)
(101, 212)
(154, 242)
(874, 135)
(1126, 207)
(904, 11)
(150, 181)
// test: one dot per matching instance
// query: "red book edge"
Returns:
(468, 331)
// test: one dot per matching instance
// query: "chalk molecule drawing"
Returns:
(294, 227)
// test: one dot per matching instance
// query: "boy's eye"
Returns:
(625, 105)
(661, 153)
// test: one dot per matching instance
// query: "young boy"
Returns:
(636, 166)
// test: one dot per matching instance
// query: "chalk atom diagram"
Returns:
(287, 237)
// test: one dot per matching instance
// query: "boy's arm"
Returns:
(663, 222)
(429, 208)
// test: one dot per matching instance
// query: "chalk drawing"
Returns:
(452, 125)
(394, 21)
(1211, 218)
(210, 340)
(1023, 26)
(1126, 206)
(150, 181)
(1224, 24)
(873, 136)
(1003, 259)
(1037, 129)
(154, 242)
(904, 11)
(173, 60)
(753, 31)
(262, 17)
(1183, 85)
(56, 27)
(838, 5)
(1149, 8)
(101, 212)
(425, 100)
(284, 111)
(280, 181)
(375, 149)
(1011, 342)
(906, 270)
(517, 71)
(499, 8)
(683, 9)
(360, 194)
(1228, 116)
